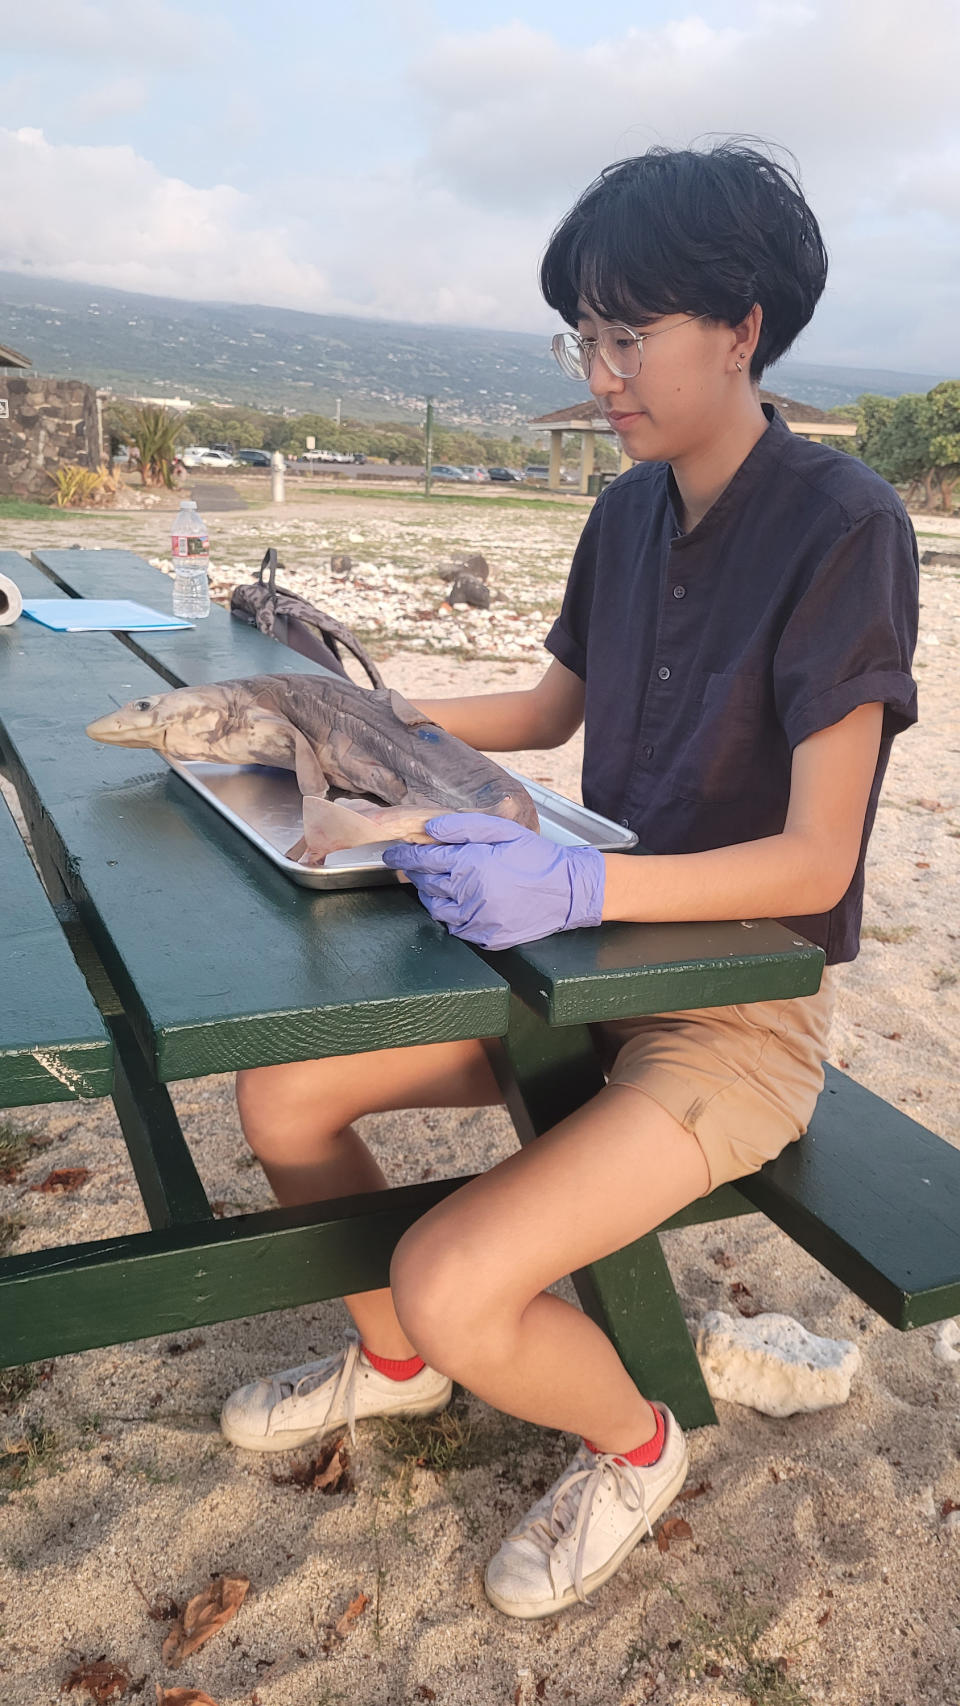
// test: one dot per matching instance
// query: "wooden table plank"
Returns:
(220, 961)
(583, 975)
(219, 648)
(54, 1045)
(621, 969)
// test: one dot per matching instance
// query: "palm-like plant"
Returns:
(154, 435)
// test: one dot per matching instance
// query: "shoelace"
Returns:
(570, 1515)
(345, 1390)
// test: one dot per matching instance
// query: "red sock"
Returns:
(643, 1455)
(394, 1368)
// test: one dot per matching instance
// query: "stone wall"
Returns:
(49, 422)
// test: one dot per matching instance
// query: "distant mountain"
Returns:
(279, 358)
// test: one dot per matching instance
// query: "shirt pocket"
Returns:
(736, 747)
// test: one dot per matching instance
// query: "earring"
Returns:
(738, 367)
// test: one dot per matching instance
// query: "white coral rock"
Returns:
(773, 1364)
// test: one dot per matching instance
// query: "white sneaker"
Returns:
(579, 1533)
(300, 1404)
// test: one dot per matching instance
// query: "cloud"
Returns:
(107, 31)
(107, 216)
(504, 127)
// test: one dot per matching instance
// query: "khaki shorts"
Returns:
(744, 1080)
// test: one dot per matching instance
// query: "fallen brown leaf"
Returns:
(355, 1609)
(713, 1669)
(825, 1618)
(206, 1612)
(425, 1693)
(948, 1506)
(922, 864)
(675, 1528)
(182, 1697)
(178, 1348)
(63, 1179)
(328, 1472)
(100, 1679)
(893, 1036)
(696, 1492)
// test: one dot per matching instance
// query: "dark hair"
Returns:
(684, 231)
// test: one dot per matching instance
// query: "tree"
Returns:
(154, 435)
(944, 402)
(910, 431)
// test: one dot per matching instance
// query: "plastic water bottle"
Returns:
(190, 546)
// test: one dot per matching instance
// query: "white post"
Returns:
(277, 466)
(338, 412)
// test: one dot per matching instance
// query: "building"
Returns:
(43, 424)
(587, 420)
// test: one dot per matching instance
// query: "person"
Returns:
(736, 636)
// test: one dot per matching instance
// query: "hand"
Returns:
(495, 883)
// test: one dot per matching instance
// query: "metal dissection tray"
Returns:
(264, 805)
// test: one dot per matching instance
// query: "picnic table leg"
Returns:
(545, 1072)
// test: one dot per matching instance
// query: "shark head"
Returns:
(215, 724)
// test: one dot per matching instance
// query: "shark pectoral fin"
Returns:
(311, 776)
(327, 827)
(405, 712)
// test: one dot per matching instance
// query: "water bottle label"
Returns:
(188, 545)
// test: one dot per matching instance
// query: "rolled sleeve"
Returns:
(850, 638)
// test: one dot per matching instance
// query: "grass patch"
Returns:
(724, 1644)
(452, 1440)
(445, 498)
(15, 1145)
(888, 933)
(944, 978)
(10, 1229)
(21, 509)
(20, 1461)
(17, 1383)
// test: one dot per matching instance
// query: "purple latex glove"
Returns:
(495, 883)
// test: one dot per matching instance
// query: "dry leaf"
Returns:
(825, 1618)
(893, 1036)
(675, 1528)
(183, 1697)
(206, 1613)
(696, 1492)
(355, 1609)
(328, 1472)
(922, 864)
(177, 1349)
(713, 1669)
(948, 1506)
(425, 1693)
(99, 1679)
(63, 1179)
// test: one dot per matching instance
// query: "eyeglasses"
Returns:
(621, 349)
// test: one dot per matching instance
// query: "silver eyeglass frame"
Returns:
(564, 344)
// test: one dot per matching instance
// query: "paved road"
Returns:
(210, 496)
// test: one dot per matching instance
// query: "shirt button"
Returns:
(625, 821)
(679, 592)
(663, 672)
(648, 752)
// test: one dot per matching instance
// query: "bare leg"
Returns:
(296, 1119)
(468, 1278)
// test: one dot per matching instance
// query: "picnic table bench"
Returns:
(204, 958)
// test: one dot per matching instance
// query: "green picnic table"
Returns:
(203, 957)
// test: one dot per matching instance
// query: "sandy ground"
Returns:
(821, 1565)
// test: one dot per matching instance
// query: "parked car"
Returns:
(443, 471)
(254, 458)
(536, 471)
(475, 473)
(504, 474)
(198, 456)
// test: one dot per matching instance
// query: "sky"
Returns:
(408, 159)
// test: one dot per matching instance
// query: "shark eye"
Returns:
(142, 704)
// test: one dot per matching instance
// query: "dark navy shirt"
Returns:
(709, 656)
